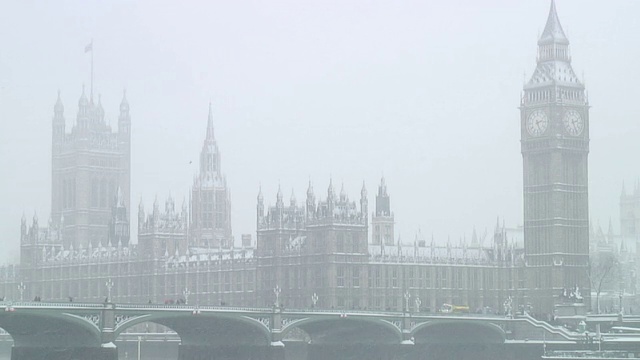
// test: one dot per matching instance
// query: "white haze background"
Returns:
(424, 92)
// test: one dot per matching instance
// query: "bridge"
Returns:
(43, 330)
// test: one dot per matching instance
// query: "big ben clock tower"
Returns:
(554, 118)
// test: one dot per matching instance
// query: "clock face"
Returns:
(573, 122)
(537, 123)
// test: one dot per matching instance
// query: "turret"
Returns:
(383, 231)
(124, 119)
(119, 223)
(83, 111)
(156, 209)
(331, 195)
(34, 224)
(364, 204)
(169, 205)
(100, 110)
(140, 215)
(311, 201)
(23, 229)
(279, 202)
(383, 203)
(260, 206)
(292, 200)
(184, 214)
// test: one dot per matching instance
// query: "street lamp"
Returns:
(277, 291)
(186, 294)
(314, 299)
(22, 287)
(621, 310)
(418, 303)
(407, 296)
(109, 285)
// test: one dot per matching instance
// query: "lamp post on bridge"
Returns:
(314, 299)
(407, 296)
(186, 294)
(109, 285)
(277, 291)
(621, 294)
(22, 287)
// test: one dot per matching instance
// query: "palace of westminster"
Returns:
(318, 251)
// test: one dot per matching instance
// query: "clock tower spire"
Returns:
(554, 118)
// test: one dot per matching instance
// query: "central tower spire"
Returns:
(210, 156)
(210, 124)
(553, 43)
(211, 202)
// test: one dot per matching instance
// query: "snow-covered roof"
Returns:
(57, 253)
(206, 256)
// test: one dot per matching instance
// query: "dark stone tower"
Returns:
(554, 115)
(630, 212)
(382, 220)
(89, 164)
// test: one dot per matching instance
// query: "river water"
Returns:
(169, 351)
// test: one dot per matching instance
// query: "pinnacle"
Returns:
(553, 32)
(210, 124)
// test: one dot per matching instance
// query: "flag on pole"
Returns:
(89, 47)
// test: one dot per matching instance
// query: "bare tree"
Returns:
(600, 270)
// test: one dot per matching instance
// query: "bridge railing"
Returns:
(557, 330)
(58, 305)
(341, 311)
(190, 307)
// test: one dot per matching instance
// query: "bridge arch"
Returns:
(354, 329)
(205, 328)
(48, 329)
(458, 332)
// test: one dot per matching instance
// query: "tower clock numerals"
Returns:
(573, 122)
(537, 123)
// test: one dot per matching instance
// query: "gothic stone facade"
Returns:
(316, 253)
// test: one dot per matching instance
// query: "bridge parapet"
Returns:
(57, 305)
(528, 328)
(190, 306)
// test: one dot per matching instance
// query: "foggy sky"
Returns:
(425, 93)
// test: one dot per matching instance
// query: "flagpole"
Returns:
(91, 70)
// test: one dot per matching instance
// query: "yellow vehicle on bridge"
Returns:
(454, 309)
